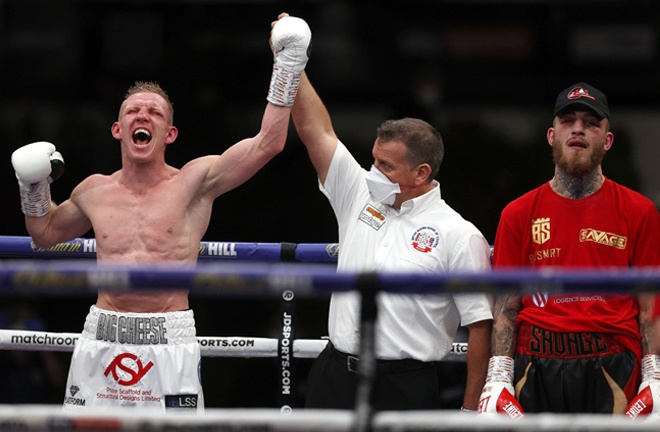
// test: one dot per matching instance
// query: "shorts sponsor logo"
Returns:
(72, 400)
(576, 344)
(131, 395)
(182, 401)
(131, 330)
(127, 375)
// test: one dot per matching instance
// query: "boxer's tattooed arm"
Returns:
(505, 311)
(645, 324)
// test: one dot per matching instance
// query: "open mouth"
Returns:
(577, 145)
(141, 136)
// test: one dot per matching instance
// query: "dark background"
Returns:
(461, 65)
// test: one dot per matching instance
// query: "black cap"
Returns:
(583, 94)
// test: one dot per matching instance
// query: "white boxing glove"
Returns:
(498, 395)
(36, 165)
(291, 39)
(647, 401)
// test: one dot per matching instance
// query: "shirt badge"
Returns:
(425, 239)
(372, 217)
(605, 238)
(541, 230)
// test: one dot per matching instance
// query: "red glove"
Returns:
(647, 400)
(498, 395)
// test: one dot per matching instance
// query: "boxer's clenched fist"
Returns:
(498, 395)
(36, 165)
(647, 401)
(291, 41)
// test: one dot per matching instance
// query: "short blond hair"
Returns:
(149, 87)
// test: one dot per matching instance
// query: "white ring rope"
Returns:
(210, 346)
(22, 418)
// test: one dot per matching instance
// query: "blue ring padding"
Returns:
(21, 246)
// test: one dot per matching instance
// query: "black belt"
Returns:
(382, 366)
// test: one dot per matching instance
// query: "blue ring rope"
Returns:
(245, 279)
(21, 246)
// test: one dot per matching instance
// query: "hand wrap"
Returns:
(291, 39)
(647, 401)
(498, 395)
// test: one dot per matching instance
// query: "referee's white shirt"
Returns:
(426, 236)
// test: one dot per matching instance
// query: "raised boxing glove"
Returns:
(647, 401)
(36, 165)
(498, 395)
(291, 39)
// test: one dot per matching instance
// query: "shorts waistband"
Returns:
(382, 366)
(539, 342)
(129, 328)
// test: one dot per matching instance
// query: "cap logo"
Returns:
(579, 92)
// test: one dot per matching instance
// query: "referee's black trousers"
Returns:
(400, 384)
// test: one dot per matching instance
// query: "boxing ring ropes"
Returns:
(285, 271)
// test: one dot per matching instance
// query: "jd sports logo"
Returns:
(135, 373)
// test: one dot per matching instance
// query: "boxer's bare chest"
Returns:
(152, 225)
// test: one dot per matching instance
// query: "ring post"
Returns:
(368, 286)
(287, 393)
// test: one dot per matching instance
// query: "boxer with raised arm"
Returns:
(141, 348)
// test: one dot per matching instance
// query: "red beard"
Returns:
(573, 164)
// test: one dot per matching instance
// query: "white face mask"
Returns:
(381, 189)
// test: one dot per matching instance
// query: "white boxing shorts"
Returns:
(145, 360)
